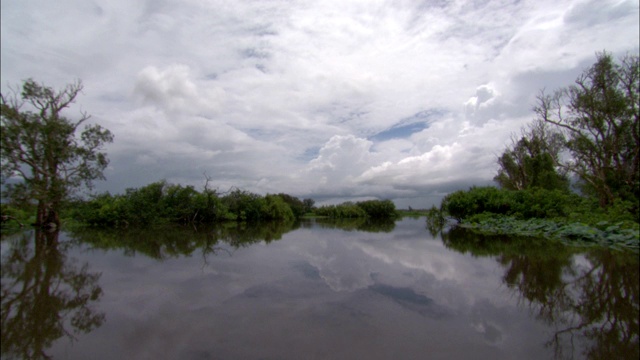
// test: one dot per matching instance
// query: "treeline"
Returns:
(161, 202)
(574, 172)
(538, 212)
(376, 209)
(532, 203)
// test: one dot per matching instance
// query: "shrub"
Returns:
(378, 209)
(275, 208)
(342, 211)
(521, 204)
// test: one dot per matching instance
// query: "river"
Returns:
(313, 290)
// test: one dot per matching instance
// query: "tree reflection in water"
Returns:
(44, 296)
(590, 295)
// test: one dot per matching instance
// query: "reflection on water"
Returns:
(45, 296)
(359, 224)
(171, 241)
(316, 289)
(592, 294)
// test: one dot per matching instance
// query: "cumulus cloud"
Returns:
(351, 98)
(477, 105)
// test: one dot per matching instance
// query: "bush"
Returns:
(378, 209)
(462, 204)
(244, 205)
(15, 217)
(521, 204)
(343, 211)
(297, 206)
(275, 208)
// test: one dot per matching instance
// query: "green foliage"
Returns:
(342, 211)
(276, 208)
(543, 213)
(159, 203)
(14, 218)
(600, 116)
(524, 204)
(298, 207)
(575, 234)
(308, 205)
(376, 209)
(541, 203)
(40, 146)
(531, 161)
(244, 205)
(462, 204)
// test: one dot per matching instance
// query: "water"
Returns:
(323, 290)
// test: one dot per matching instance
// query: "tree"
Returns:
(39, 146)
(599, 115)
(532, 161)
(308, 205)
(296, 205)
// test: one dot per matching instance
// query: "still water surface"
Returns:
(317, 290)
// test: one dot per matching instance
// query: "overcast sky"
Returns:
(333, 100)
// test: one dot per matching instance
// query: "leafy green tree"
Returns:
(277, 208)
(378, 209)
(308, 205)
(144, 206)
(244, 205)
(346, 210)
(40, 147)
(532, 161)
(296, 205)
(181, 203)
(599, 116)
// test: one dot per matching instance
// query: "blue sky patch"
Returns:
(407, 126)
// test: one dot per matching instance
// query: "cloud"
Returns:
(477, 105)
(350, 98)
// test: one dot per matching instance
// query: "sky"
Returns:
(333, 100)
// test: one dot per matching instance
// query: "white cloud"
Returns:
(289, 96)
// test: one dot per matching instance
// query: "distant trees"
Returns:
(40, 147)
(308, 205)
(376, 209)
(161, 202)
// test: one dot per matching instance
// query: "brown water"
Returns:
(315, 291)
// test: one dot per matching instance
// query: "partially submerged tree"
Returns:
(600, 118)
(40, 147)
(533, 160)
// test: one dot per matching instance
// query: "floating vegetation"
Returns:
(577, 234)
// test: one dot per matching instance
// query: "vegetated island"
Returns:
(163, 203)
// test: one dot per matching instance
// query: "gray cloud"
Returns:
(311, 99)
